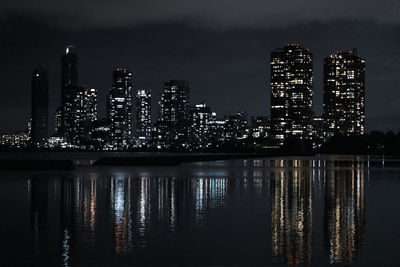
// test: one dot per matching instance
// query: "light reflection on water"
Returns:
(136, 213)
(344, 215)
(291, 216)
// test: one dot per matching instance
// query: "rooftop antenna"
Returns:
(68, 47)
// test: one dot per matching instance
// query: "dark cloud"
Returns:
(211, 13)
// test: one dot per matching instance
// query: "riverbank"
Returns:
(65, 161)
(72, 160)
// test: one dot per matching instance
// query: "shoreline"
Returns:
(73, 160)
(66, 161)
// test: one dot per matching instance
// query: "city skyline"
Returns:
(200, 132)
(181, 124)
(72, 79)
(229, 62)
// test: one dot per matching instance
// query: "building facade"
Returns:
(119, 108)
(100, 137)
(236, 127)
(69, 82)
(173, 124)
(344, 94)
(91, 105)
(217, 130)
(259, 127)
(58, 120)
(40, 107)
(318, 131)
(291, 93)
(143, 115)
(199, 117)
(75, 116)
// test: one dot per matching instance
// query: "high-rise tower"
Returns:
(119, 108)
(291, 93)
(199, 117)
(69, 83)
(173, 122)
(69, 72)
(344, 94)
(40, 106)
(143, 113)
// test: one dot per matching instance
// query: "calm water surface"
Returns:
(296, 211)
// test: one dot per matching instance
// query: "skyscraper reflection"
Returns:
(144, 204)
(208, 193)
(121, 213)
(65, 219)
(166, 199)
(344, 214)
(129, 215)
(173, 204)
(90, 208)
(291, 215)
(74, 215)
(39, 213)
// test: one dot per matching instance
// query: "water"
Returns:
(310, 211)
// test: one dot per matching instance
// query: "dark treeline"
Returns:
(374, 143)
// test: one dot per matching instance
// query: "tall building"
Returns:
(58, 120)
(19, 139)
(143, 114)
(91, 105)
(90, 113)
(199, 117)
(100, 137)
(69, 83)
(119, 108)
(344, 94)
(173, 123)
(217, 130)
(75, 116)
(40, 107)
(259, 127)
(69, 73)
(318, 131)
(236, 127)
(291, 93)
(79, 116)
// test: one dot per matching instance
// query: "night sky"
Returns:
(222, 47)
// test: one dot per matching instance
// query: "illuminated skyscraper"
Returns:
(318, 131)
(143, 114)
(344, 94)
(69, 70)
(259, 127)
(40, 106)
(199, 117)
(291, 93)
(69, 81)
(75, 115)
(91, 105)
(119, 107)
(79, 116)
(58, 120)
(90, 110)
(100, 135)
(217, 129)
(236, 127)
(173, 123)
